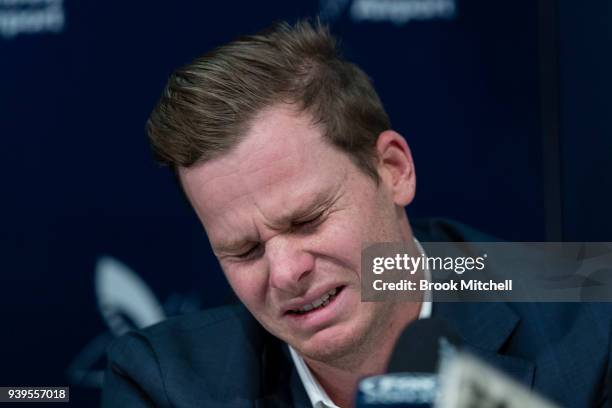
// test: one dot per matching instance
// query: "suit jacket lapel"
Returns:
(298, 393)
(281, 384)
(485, 328)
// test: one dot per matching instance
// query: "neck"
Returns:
(340, 378)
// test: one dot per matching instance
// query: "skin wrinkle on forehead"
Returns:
(321, 200)
(289, 156)
(242, 192)
(247, 153)
(245, 196)
(234, 181)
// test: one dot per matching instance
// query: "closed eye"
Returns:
(258, 249)
(252, 253)
(309, 222)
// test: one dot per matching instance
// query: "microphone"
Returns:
(418, 347)
(411, 380)
(427, 347)
(466, 382)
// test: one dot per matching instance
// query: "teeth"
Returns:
(319, 302)
(323, 301)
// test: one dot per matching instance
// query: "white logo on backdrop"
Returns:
(398, 12)
(31, 17)
(125, 302)
(124, 299)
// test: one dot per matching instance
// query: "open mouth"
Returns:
(318, 304)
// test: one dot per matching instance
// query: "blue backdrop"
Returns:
(96, 237)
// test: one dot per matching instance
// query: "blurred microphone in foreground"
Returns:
(428, 369)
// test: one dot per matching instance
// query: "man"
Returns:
(286, 154)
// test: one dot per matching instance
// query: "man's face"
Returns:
(286, 215)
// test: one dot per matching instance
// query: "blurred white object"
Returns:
(122, 294)
(467, 382)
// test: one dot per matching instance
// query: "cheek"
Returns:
(249, 284)
(341, 240)
(380, 221)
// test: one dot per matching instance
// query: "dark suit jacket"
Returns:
(224, 358)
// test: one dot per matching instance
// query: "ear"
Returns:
(395, 167)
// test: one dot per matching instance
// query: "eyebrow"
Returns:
(321, 201)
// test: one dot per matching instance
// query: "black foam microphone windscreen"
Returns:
(417, 350)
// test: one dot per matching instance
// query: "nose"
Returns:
(289, 264)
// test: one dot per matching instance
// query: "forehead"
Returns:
(281, 162)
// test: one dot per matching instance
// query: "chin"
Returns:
(332, 344)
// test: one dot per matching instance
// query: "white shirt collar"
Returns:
(317, 395)
(427, 303)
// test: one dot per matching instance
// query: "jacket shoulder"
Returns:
(224, 318)
(205, 356)
(446, 230)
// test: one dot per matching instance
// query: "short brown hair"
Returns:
(207, 105)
